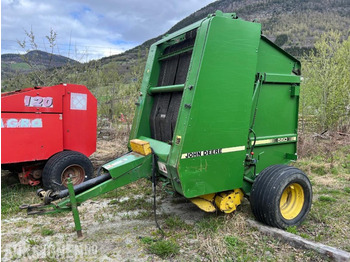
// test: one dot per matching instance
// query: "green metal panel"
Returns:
(276, 118)
(160, 89)
(272, 59)
(187, 97)
(277, 108)
(295, 90)
(277, 111)
(123, 164)
(161, 149)
(215, 132)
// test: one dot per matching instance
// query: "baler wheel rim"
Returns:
(75, 172)
(60, 165)
(292, 201)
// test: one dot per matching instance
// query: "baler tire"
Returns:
(61, 164)
(281, 196)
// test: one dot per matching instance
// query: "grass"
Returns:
(329, 219)
(15, 195)
(292, 229)
(33, 242)
(232, 242)
(163, 248)
(134, 204)
(20, 66)
(209, 226)
(47, 231)
(176, 223)
(147, 240)
(326, 199)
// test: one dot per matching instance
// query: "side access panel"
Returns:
(213, 120)
(80, 120)
(276, 122)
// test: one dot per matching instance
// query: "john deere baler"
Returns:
(217, 116)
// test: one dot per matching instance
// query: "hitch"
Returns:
(122, 171)
(48, 208)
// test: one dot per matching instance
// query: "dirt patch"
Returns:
(107, 150)
(326, 181)
(324, 144)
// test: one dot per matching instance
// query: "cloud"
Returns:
(99, 28)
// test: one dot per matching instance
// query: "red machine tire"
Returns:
(64, 164)
(281, 196)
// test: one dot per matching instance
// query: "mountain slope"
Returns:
(33, 60)
(294, 24)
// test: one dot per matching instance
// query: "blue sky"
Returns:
(90, 29)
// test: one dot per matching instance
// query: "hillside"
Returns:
(33, 60)
(294, 25)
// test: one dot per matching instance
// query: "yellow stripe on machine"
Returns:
(274, 140)
(233, 149)
(265, 141)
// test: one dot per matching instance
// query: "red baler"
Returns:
(48, 133)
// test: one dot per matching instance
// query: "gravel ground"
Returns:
(109, 235)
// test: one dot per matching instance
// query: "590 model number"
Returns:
(38, 101)
(283, 139)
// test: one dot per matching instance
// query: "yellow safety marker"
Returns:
(140, 146)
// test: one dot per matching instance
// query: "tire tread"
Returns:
(51, 172)
(265, 194)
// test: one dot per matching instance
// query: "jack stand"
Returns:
(74, 207)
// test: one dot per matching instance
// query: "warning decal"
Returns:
(162, 167)
(78, 101)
